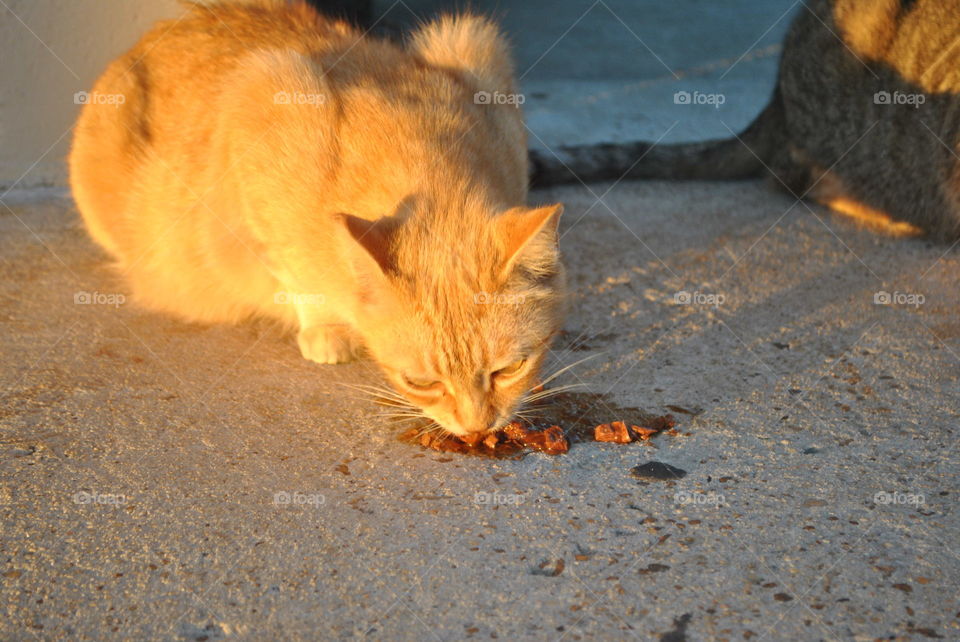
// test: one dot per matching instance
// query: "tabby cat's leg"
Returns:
(871, 218)
(826, 187)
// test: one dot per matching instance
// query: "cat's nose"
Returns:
(475, 415)
(481, 429)
(476, 429)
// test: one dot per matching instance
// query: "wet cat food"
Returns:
(515, 438)
(551, 441)
(616, 431)
(509, 440)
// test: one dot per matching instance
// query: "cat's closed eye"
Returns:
(430, 386)
(422, 385)
(427, 385)
(511, 370)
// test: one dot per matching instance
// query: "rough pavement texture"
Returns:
(142, 457)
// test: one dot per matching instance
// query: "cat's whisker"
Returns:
(402, 416)
(369, 395)
(528, 407)
(432, 428)
(567, 368)
(378, 391)
(539, 391)
(390, 403)
(398, 409)
(403, 422)
(418, 415)
(388, 394)
(381, 396)
(366, 386)
(387, 403)
(544, 394)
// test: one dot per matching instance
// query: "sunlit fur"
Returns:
(872, 219)
(389, 208)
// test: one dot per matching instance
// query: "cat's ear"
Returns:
(528, 232)
(367, 245)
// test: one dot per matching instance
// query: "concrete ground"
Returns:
(169, 481)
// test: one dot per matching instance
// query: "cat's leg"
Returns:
(324, 337)
(330, 343)
(829, 189)
(871, 218)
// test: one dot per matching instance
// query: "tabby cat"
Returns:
(865, 118)
(267, 161)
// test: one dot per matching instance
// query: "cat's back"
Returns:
(177, 68)
(210, 39)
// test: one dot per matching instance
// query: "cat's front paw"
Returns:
(327, 343)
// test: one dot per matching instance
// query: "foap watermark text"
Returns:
(496, 498)
(95, 98)
(99, 298)
(498, 98)
(896, 498)
(493, 298)
(687, 498)
(898, 298)
(899, 98)
(99, 499)
(699, 98)
(298, 98)
(297, 498)
(684, 297)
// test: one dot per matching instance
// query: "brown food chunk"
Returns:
(615, 432)
(655, 425)
(643, 433)
(551, 441)
(515, 430)
(555, 442)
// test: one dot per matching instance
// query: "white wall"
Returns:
(49, 50)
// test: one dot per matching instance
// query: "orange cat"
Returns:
(267, 161)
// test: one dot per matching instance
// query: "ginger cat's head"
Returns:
(459, 328)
